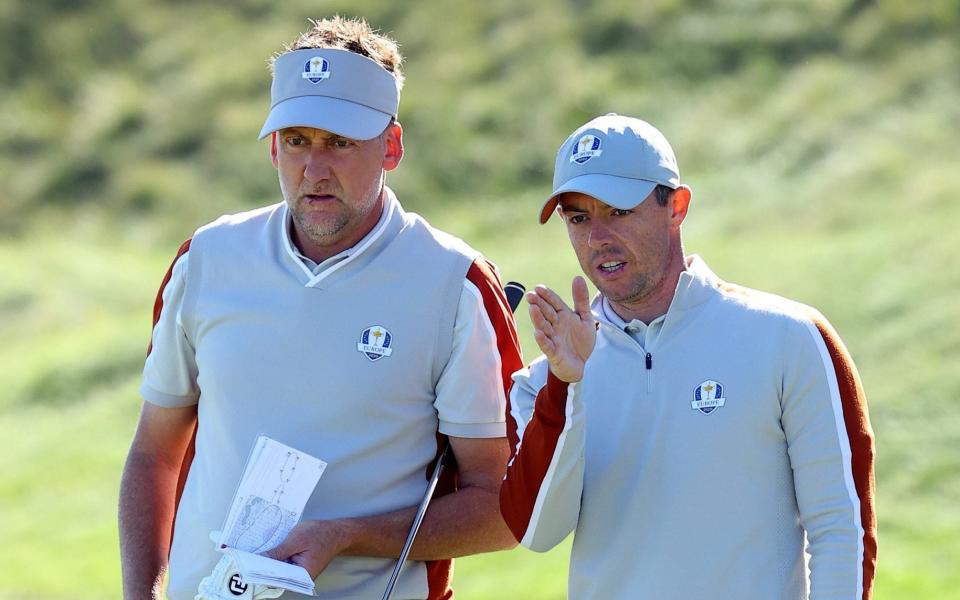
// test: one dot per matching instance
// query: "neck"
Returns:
(657, 302)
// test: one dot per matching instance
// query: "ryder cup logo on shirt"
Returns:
(708, 397)
(585, 149)
(375, 343)
(316, 69)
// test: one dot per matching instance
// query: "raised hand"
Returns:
(566, 337)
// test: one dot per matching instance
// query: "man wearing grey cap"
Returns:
(338, 324)
(696, 435)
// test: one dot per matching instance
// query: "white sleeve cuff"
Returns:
(473, 430)
(167, 400)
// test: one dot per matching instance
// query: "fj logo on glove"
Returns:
(708, 397)
(236, 586)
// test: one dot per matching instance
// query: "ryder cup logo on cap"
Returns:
(316, 69)
(375, 343)
(708, 397)
(586, 148)
(357, 98)
(616, 159)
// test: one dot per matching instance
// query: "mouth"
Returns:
(611, 267)
(318, 198)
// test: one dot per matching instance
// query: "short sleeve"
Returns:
(471, 394)
(170, 371)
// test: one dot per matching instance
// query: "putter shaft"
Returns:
(417, 520)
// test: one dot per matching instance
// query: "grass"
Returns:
(820, 140)
(79, 311)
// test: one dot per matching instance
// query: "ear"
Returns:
(273, 149)
(393, 146)
(679, 204)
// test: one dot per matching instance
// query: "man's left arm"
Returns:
(464, 522)
(831, 449)
(472, 398)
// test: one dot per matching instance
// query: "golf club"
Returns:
(514, 292)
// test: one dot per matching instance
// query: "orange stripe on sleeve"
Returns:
(483, 274)
(528, 469)
(857, 422)
(158, 303)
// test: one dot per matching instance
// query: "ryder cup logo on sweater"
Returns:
(708, 397)
(375, 343)
(585, 149)
(316, 69)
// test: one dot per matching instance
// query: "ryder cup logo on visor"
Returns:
(375, 343)
(708, 397)
(585, 149)
(316, 69)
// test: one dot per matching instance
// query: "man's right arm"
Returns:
(148, 494)
(540, 495)
(148, 487)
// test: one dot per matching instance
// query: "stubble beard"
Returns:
(324, 232)
(641, 287)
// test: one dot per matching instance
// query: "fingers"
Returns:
(581, 297)
(278, 552)
(545, 308)
(551, 298)
(274, 554)
(545, 343)
(539, 320)
(290, 546)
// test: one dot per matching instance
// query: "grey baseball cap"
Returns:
(331, 89)
(616, 159)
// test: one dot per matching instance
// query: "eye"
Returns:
(341, 143)
(621, 212)
(295, 141)
(578, 218)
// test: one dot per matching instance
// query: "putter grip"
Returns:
(514, 292)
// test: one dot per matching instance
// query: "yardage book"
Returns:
(276, 484)
(258, 569)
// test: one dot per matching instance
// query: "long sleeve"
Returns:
(540, 496)
(831, 449)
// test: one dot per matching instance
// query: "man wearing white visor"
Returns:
(696, 436)
(338, 324)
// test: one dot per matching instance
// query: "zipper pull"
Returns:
(649, 361)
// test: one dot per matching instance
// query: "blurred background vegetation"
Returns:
(821, 138)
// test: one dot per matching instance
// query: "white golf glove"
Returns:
(226, 583)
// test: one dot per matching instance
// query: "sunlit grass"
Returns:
(821, 147)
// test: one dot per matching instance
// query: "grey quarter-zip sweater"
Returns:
(701, 455)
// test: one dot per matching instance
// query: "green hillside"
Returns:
(820, 138)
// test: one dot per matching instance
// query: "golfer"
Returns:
(338, 324)
(697, 436)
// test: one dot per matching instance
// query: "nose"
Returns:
(316, 168)
(599, 235)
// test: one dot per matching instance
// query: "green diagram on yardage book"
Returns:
(275, 487)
